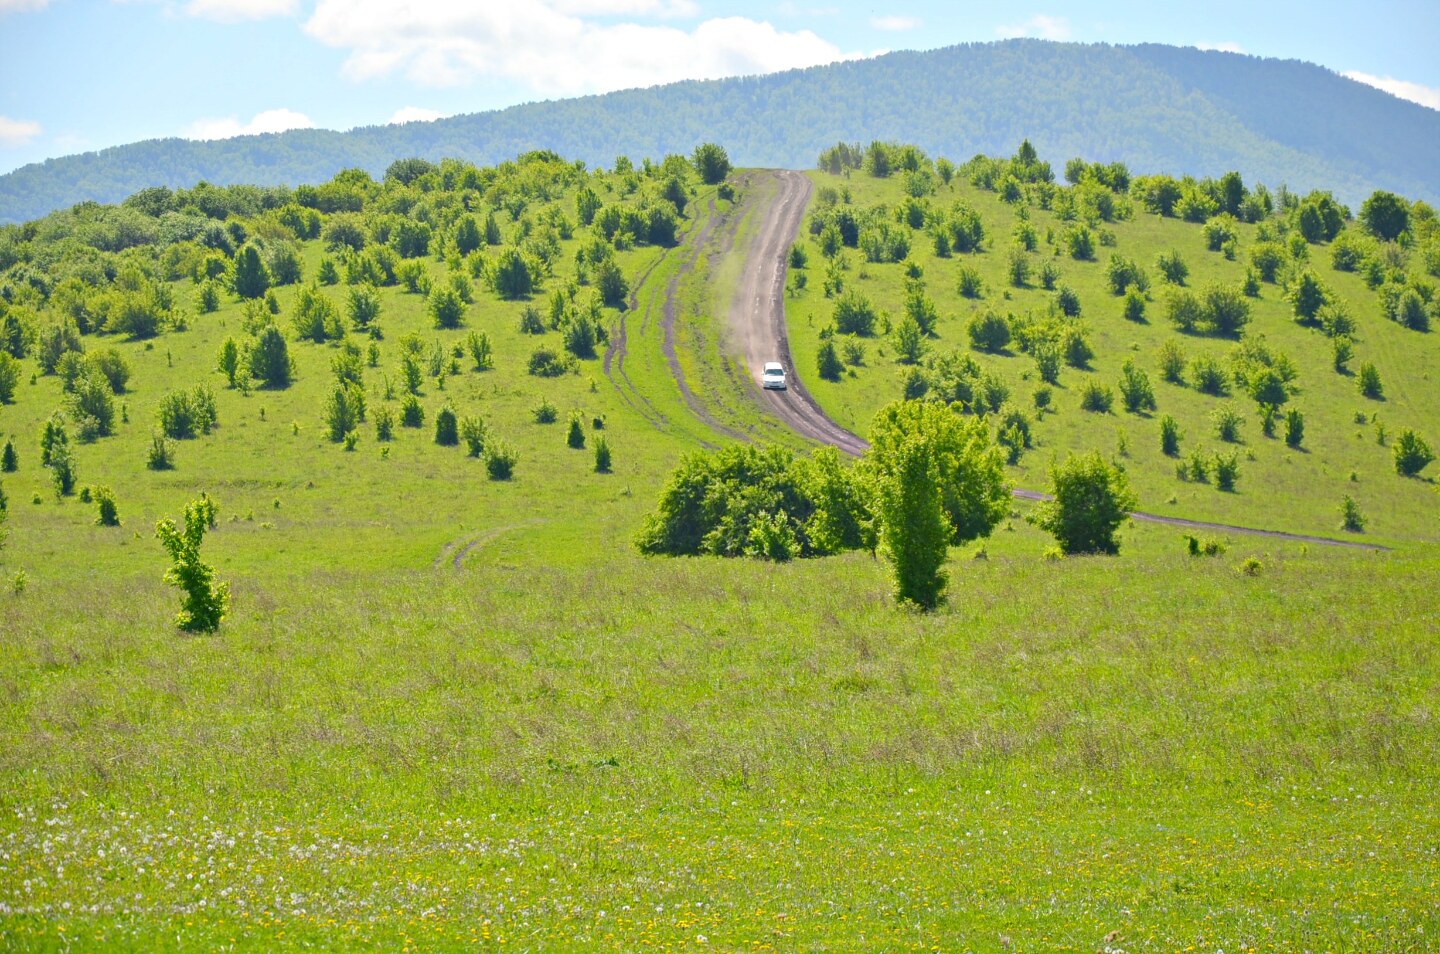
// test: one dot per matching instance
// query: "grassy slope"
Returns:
(1279, 488)
(566, 745)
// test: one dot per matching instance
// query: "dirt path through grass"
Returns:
(757, 323)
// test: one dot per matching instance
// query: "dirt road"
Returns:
(757, 324)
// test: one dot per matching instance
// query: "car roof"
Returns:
(774, 366)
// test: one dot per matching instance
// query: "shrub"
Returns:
(989, 331)
(1294, 427)
(316, 317)
(384, 423)
(161, 455)
(1342, 349)
(411, 413)
(1351, 519)
(62, 470)
(1068, 302)
(1172, 267)
(1096, 397)
(828, 363)
(1134, 305)
(92, 406)
(108, 511)
(1209, 376)
(1227, 423)
(9, 376)
(1411, 454)
(447, 432)
(545, 363)
(531, 321)
(1135, 389)
(1049, 275)
(1227, 471)
(1183, 309)
(500, 461)
(184, 414)
(1018, 268)
(269, 358)
(1369, 382)
(445, 307)
(344, 410)
(1172, 363)
(854, 315)
(205, 600)
(602, 455)
(971, 285)
(473, 432)
(1169, 436)
(1091, 500)
(1075, 341)
(1080, 243)
(363, 306)
(9, 458)
(1047, 361)
(1123, 274)
(914, 528)
(1042, 397)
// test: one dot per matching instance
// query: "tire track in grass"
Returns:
(757, 318)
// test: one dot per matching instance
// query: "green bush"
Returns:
(108, 511)
(205, 601)
(1227, 423)
(1227, 471)
(989, 331)
(447, 427)
(602, 455)
(1412, 454)
(384, 423)
(854, 315)
(1169, 436)
(411, 413)
(1091, 500)
(545, 363)
(1294, 428)
(500, 461)
(1096, 397)
(575, 436)
(9, 458)
(1369, 382)
(161, 455)
(545, 412)
(1135, 389)
(186, 414)
(473, 433)
(1351, 519)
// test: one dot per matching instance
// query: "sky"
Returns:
(81, 75)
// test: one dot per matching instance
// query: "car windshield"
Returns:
(774, 372)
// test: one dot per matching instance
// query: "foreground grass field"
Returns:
(656, 754)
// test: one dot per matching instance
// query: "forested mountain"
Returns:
(1159, 108)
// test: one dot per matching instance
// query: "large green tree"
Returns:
(250, 278)
(1091, 500)
(915, 530)
(1385, 215)
(711, 163)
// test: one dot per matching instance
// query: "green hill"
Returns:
(1161, 108)
(454, 708)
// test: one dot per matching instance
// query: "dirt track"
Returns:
(757, 323)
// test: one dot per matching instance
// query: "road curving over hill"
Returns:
(757, 325)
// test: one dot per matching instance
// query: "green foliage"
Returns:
(1170, 436)
(545, 412)
(1351, 519)
(1227, 422)
(384, 423)
(107, 511)
(316, 317)
(447, 427)
(9, 458)
(1412, 454)
(971, 285)
(854, 315)
(92, 407)
(1226, 468)
(1080, 243)
(711, 163)
(1172, 267)
(1096, 397)
(512, 276)
(1123, 274)
(828, 363)
(228, 361)
(1135, 389)
(9, 377)
(445, 307)
(1342, 349)
(161, 455)
(989, 331)
(186, 414)
(1308, 296)
(500, 460)
(1068, 302)
(545, 363)
(915, 531)
(1385, 215)
(575, 435)
(250, 278)
(344, 410)
(1369, 382)
(206, 601)
(362, 307)
(1091, 500)
(970, 467)
(1294, 428)
(1134, 309)
(1018, 268)
(268, 359)
(411, 412)
(62, 469)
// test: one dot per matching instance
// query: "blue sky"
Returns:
(78, 75)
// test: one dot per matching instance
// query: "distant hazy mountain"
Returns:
(1156, 108)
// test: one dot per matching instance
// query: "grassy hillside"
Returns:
(1347, 446)
(1160, 108)
(448, 712)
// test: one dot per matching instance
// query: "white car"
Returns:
(773, 377)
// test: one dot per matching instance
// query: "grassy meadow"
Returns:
(451, 713)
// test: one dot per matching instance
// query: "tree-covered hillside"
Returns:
(1161, 108)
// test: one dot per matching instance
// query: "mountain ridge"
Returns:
(1158, 108)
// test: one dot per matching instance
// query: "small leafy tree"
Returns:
(1135, 389)
(1294, 427)
(1342, 349)
(500, 461)
(229, 360)
(344, 410)
(205, 601)
(109, 512)
(384, 423)
(161, 455)
(1134, 305)
(473, 432)
(1227, 424)
(854, 315)
(827, 361)
(411, 413)
(362, 306)
(62, 470)
(575, 436)
(1227, 471)
(478, 344)
(1172, 267)
(1351, 519)
(711, 162)
(447, 428)
(1091, 500)
(1172, 363)
(9, 458)
(602, 455)
(9, 376)
(989, 331)
(1369, 382)
(1169, 436)
(446, 308)
(1412, 454)
(915, 531)
(269, 359)
(250, 278)
(1096, 397)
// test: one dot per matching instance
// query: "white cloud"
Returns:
(233, 11)
(1042, 26)
(227, 127)
(655, 8)
(22, 6)
(1229, 46)
(17, 132)
(415, 114)
(894, 24)
(553, 51)
(1416, 93)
